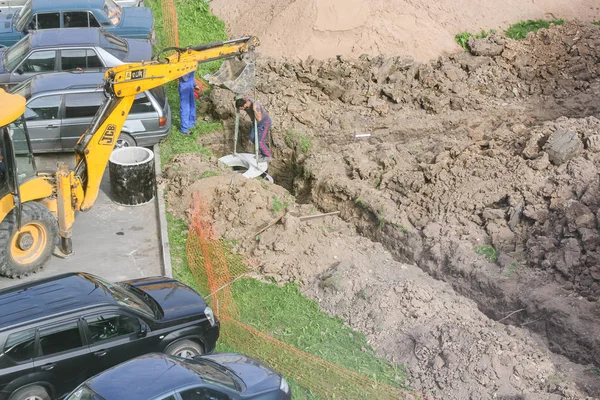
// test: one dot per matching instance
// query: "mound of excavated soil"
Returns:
(422, 29)
(450, 348)
(498, 149)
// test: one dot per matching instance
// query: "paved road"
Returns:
(110, 240)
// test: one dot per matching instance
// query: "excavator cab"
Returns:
(28, 229)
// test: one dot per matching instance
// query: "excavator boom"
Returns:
(122, 84)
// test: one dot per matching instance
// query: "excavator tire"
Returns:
(25, 252)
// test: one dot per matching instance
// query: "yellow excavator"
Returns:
(37, 210)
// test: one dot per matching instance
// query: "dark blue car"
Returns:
(210, 377)
(128, 22)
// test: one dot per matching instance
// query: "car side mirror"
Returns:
(143, 330)
(20, 71)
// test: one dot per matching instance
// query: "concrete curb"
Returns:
(165, 249)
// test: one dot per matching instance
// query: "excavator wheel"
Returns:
(26, 251)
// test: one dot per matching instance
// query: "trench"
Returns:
(496, 299)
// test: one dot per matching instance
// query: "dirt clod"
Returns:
(469, 196)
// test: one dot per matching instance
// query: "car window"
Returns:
(48, 21)
(203, 394)
(15, 54)
(93, 21)
(84, 393)
(20, 345)
(111, 326)
(160, 94)
(43, 108)
(82, 105)
(59, 339)
(75, 19)
(40, 61)
(24, 16)
(79, 58)
(93, 61)
(112, 11)
(212, 374)
(141, 104)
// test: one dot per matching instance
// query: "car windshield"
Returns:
(15, 54)
(212, 372)
(23, 16)
(23, 89)
(114, 45)
(125, 296)
(113, 11)
(84, 393)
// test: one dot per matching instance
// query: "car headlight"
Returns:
(210, 315)
(283, 386)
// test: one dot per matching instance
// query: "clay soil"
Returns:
(466, 245)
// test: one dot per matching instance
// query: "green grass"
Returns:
(196, 26)
(511, 269)
(278, 205)
(284, 313)
(596, 22)
(488, 251)
(295, 140)
(463, 37)
(522, 28)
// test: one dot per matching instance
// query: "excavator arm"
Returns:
(122, 84)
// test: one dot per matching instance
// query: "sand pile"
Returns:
(424, 30)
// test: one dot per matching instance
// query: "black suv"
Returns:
(57, 332)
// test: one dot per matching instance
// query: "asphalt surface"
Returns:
(111, 241)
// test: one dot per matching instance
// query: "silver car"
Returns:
(61, 106)
(53, 50)
(6, 5)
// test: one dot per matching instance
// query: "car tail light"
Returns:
(162, 121)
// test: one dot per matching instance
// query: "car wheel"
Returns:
(185, 349)
(124, 140)
(34, 392)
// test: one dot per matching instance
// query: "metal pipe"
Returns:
(256, 141)
(237, 130)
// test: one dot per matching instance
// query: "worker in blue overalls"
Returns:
(257, 113)
(187, 103)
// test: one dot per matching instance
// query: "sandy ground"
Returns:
(422, 29)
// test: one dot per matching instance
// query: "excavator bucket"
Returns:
(235, 74)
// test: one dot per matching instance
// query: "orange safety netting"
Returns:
(171, 31)
(215, 267)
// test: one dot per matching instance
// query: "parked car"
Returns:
(57, 332)
(21, 3)
(129, 22)
(67, 50)
(61, 106)
(159, 377)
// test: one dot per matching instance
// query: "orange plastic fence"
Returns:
(171, 31)
(215, 267)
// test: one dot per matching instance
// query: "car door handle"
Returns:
(100, 353)
(51, 126)
(47, 367)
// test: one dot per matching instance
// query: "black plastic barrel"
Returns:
(131, 171)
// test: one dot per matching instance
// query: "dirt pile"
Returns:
(326, 28)
(451, 350)
(483, 170)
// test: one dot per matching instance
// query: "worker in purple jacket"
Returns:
(263, 122)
